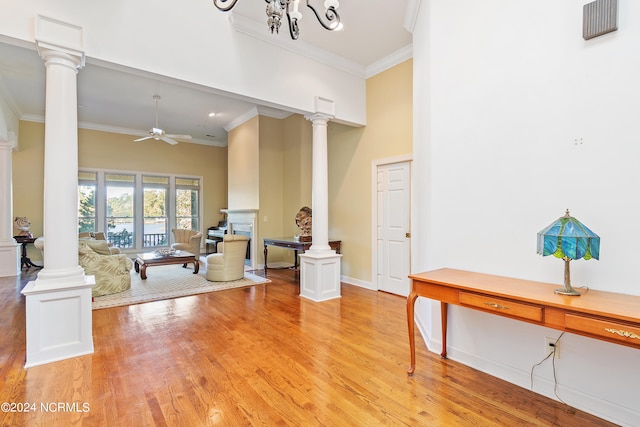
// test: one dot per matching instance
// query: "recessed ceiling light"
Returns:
(212, 114)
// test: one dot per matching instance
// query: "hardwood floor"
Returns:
(258, 356)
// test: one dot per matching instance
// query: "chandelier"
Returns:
(277, 8)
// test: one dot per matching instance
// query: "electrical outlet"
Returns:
(552, 345)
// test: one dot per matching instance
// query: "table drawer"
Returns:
(604, 328)
(502, 306)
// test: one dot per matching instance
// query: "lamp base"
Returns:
(567, 290)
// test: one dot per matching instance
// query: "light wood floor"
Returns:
(258, 356)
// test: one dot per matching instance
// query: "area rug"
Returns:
(170, 281)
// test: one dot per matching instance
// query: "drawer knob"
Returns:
(622, 333)
(497, 306)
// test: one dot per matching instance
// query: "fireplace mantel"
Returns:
(245, 220)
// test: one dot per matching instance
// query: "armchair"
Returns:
(112, 272)
(228, 263)
(98, 236)
(187, 240)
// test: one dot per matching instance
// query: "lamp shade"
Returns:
(568, 238)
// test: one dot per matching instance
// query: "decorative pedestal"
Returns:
(320, 276)
(58, 322)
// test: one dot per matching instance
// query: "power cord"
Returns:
(552, 355)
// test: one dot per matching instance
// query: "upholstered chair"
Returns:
(228, 263)
(98, 236)
(112, 272)
(187, 240)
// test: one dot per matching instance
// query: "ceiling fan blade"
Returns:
(168, 140)
(142, 139)
(180, 137)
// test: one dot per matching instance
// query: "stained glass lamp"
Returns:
(568, 238)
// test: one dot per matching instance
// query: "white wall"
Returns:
(8, 121)
(193, 41)
(527, 119)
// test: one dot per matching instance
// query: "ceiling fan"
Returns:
(159, 134)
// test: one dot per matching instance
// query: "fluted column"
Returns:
(9, 249)
(58, 302)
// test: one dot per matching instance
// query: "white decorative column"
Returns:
(59, 301)
(9, 249)
(320, 265)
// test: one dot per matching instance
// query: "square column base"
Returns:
(59, 323)
(9, 260)
(320, 276)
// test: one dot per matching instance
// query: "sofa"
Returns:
(228, 263)
(112, 271)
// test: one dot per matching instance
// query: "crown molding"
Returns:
(411, 14)
(256, 111)
(9, 99)
(124, 131)
(255, 29)
(390, 61)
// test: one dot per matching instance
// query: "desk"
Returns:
(296, 246)
(25, 261)
(601, 315)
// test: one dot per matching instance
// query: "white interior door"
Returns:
(393, 227)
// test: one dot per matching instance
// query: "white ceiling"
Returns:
(119, 100)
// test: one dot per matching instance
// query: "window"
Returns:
(120, 190)
(187, 196)
(137, 210)
(87, 185)
(156, 221)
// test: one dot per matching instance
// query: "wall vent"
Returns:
(599, 17)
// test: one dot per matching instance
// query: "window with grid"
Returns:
(187, 203)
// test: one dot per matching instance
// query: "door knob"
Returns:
(407, 235)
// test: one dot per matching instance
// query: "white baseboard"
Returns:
(594, 405)
(357, 282)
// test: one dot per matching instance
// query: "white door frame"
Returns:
(375, 164)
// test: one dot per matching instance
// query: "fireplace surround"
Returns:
(245, 221)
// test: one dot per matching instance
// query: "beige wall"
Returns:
(284, 168)
(351, 152)
(105, 150)
(244, 167)
(283, 171)
(297, 170)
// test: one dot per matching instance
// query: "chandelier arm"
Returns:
(294, 30)
(222, 4)
(333, 18)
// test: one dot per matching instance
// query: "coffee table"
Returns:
(151, 258)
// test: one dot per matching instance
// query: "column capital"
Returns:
(7, 145)
(59, 41)
(319, 118)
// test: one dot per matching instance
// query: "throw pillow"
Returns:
(99, 246)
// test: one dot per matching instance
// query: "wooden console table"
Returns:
(25, 261)
(601, 315)
(291, 243)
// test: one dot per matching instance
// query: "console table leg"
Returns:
(411, 300)
(443, 319)
(265, 260)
